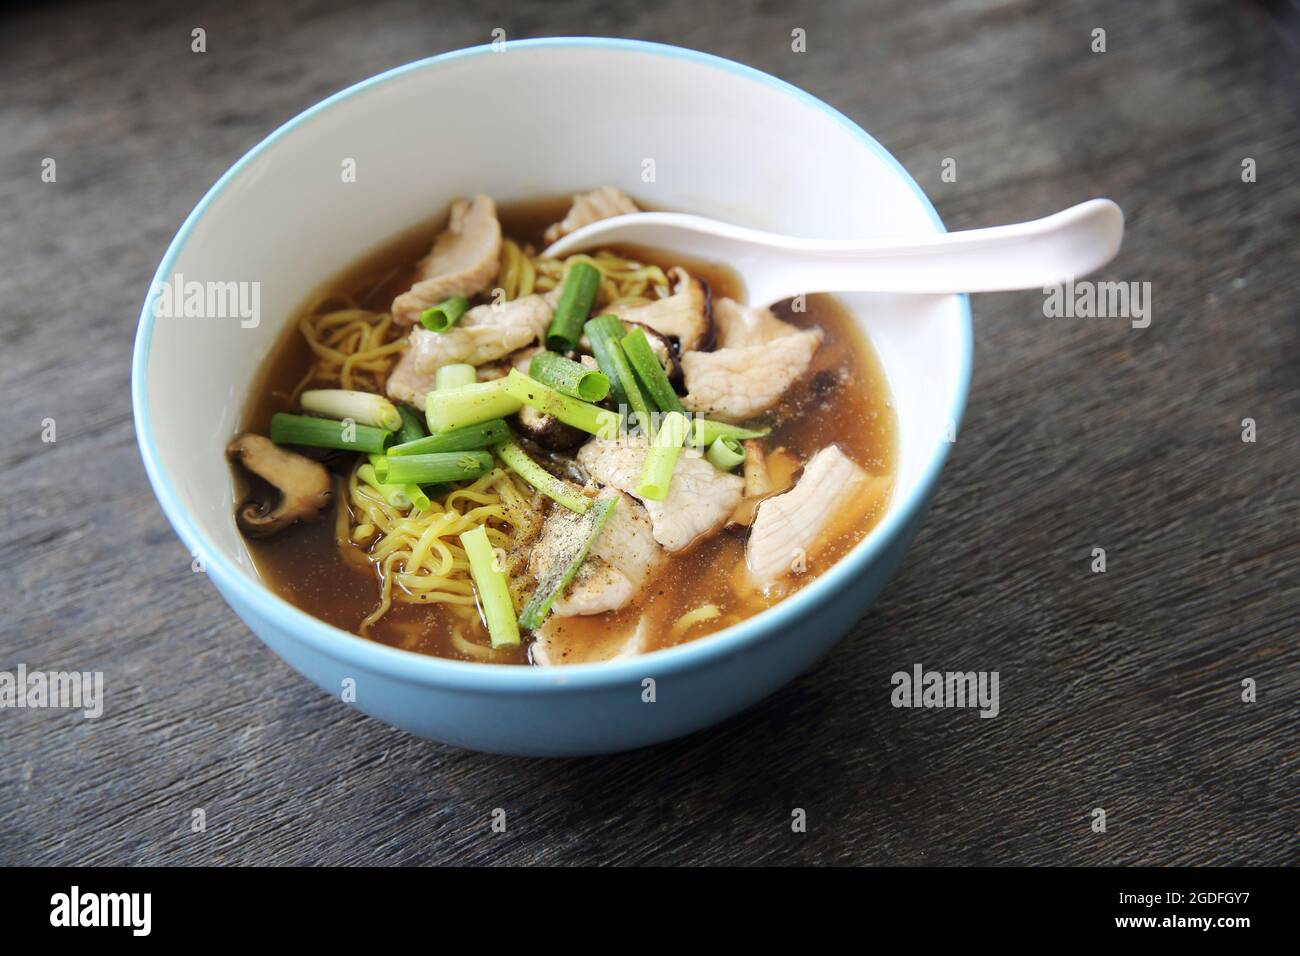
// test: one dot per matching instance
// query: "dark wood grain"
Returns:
(1119, 690)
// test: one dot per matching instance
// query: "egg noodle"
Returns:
(622, 281)
(417, 554)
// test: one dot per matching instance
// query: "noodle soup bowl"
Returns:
(681, 129)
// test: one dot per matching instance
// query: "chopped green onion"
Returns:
(364, 408)
(469, 405)
(399, 496)
(705, 432)
(661, 459)
(604, 333)
(648, 370)
(581, 415)
(576, 297)
(491, 586)
(570, 377)
(469, 438)
(554, 488)
(289, 429)
(454, 376)
(445, 314)
(433, 469)
(725, 453)
(412, 425)
(564, 566)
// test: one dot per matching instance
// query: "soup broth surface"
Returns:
(842, 399)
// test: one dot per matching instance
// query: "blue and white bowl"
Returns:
(682, 129)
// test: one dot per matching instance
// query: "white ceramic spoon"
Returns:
(1024, 255)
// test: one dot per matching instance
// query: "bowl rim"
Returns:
(475, 676)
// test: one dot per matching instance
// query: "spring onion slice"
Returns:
(448, 409)
(401, 497)
(289, 429)
(661, 459)
(581, 415)
(454, 376)
(433, 469)
(704, 432)
(576, 297)
(564, 566)
(412, 425)
(649, 372)
(364, 408)
(569, 377)
(725, 453)
(491, 587)
(468, 438)
(554, 488)
(604, 333)
(445, 314)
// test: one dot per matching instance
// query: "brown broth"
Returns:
(843, 399)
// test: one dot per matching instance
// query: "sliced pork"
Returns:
(686, 314)
(738, 326)
(463, 261)
(602, 203)
(700, 497)
(788, 527)
(407, 383)
(484, 334)
(733, 384)
(622, 559)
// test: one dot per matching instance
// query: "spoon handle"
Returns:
(1024, 255)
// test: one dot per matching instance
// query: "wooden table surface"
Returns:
(1119, 690)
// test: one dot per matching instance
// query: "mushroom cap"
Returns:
(548, 431)
(304, 486)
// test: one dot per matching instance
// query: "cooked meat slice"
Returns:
(686, 314)
(620, 562)
(463, 261)
(789, 526)
(699, 499)
(501, 368)
(406, 383)
(738, 326)
(587, 640)
(485, 333)
(302, 486)
(734, 384)
(591, 207)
